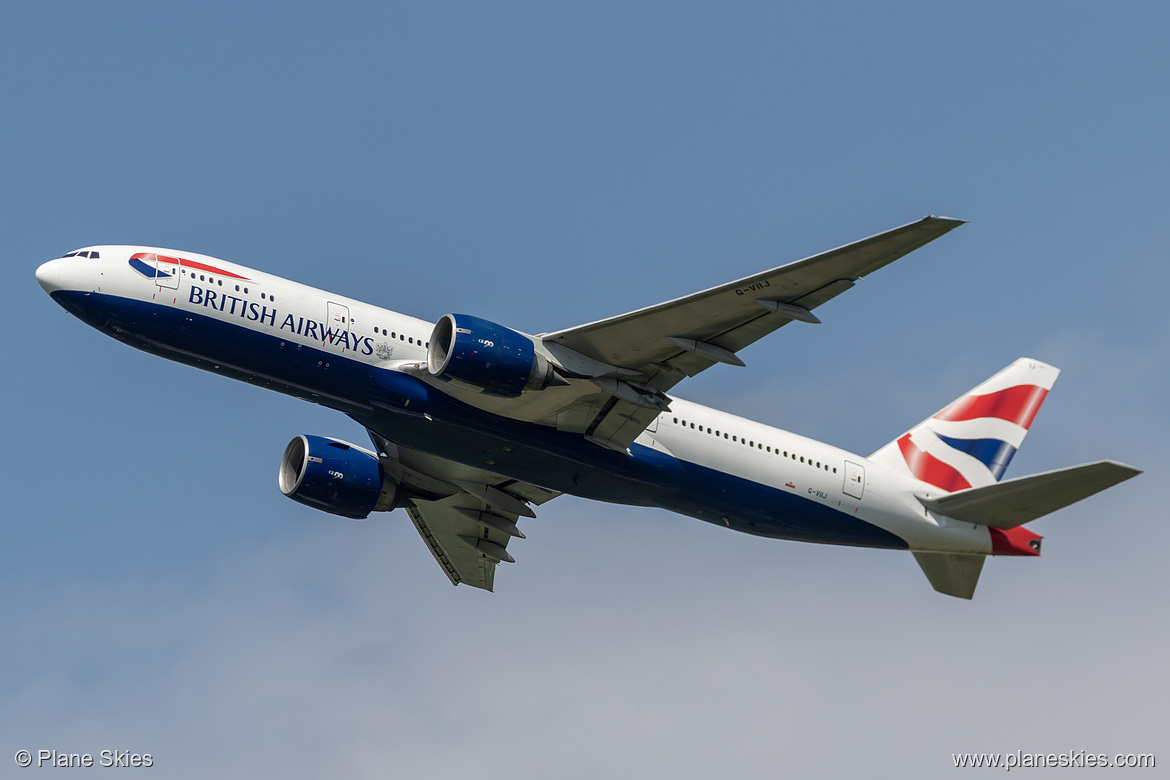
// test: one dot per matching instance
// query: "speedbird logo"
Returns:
(156, 266)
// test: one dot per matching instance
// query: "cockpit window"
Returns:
(93, 254)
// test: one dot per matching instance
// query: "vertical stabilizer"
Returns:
(971, 442)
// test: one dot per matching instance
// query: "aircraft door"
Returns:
(854, 479)
(338, 322)
(166, 274)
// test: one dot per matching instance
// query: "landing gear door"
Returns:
(854, 479)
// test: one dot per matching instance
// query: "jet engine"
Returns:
(487, 358)
(336, 477)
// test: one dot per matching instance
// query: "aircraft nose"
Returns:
(48, 274)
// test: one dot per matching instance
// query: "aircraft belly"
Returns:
(751, 507)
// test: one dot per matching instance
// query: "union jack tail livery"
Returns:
(971, 442)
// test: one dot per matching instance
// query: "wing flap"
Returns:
(444, 560)
(467, 541)
(620, 424)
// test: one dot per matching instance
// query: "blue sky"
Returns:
(545, 165)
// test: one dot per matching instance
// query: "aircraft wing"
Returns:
(466, 516)
(466, 549)
(734, 315)
(656, 347)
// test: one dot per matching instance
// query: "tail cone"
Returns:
(1014, 541)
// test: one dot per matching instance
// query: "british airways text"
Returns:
(250, 310)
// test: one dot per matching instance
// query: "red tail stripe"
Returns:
(1017, 404)
(930, 469)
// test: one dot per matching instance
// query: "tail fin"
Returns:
(971, 442)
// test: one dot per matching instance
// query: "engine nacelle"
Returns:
(486, 357)
(336, 477)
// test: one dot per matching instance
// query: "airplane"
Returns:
(472, 423)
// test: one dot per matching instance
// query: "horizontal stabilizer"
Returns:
(1014, 502)
(951, 573)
